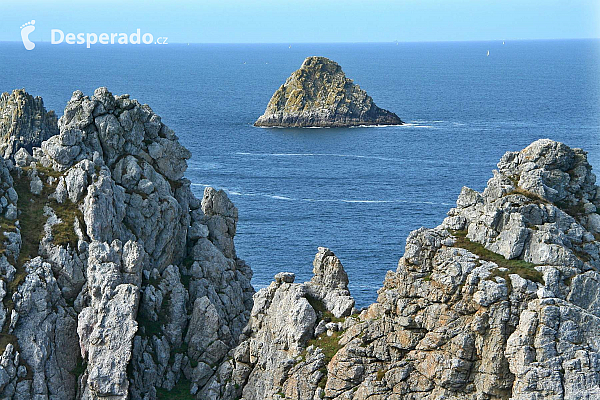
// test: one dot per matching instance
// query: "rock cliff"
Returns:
(24, 122)
(499, 301)
(319, 95)
(117, 283)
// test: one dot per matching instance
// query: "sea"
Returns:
(358, 191)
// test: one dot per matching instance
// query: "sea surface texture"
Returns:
(358, 191)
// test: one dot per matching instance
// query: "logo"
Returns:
(26, 29)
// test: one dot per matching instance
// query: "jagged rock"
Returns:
(24, 122)
(329, 283)
(136, 288)
(282, 322)
(319, 95)
(114, 239)
(453, 321)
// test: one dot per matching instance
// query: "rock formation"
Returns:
(319, 95)
(24, 122)
(117, 283)
(499, 301)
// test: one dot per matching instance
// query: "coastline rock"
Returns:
(117, 282)
(319, 95)
(131, 276)
(24, 122)
(499, 301)
(284, 319)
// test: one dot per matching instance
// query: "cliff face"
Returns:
(24, 122)
(501, 300)
(319, 95)
(116, 281)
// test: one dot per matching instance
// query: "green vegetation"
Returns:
(64, 233)
(31, 226)
(328, 344)
(322, 312)
(181, 391)
(530, 195)
(520, 267)
(574, 210)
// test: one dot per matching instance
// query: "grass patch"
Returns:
(6, 338)
(63, 234)
(328, 344)
(582, 255)
(520, 267)
(574, 210)
(530, 195)
(181, 391)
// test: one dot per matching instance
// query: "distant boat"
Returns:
(503, 42)
(488, 53)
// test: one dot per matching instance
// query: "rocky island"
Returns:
(118, 283)
(319, 95)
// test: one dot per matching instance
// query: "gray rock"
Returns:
(319, 94)
(24, 124)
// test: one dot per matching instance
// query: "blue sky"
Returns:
(292, 21)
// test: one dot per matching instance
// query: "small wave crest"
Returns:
(358, 156)
(347, 201)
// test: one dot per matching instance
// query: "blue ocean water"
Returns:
(359, 191)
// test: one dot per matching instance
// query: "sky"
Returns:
(304, 21)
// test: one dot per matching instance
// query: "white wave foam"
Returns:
(411, 125)
(348, 201)
(380, 158)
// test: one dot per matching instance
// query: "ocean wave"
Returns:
(349, 201)
(379, 158)
(411, 125)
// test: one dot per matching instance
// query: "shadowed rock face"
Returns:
(24, 122)
(319, 95)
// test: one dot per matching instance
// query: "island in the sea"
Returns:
(319, 95)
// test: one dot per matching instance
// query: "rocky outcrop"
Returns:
(319, 95)
(278, 353)
(117, 282)
(24, 122)
(499, 301)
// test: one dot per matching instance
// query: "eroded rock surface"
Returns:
(24, 122)
(319, 95)
(117, 282)
(499, 301)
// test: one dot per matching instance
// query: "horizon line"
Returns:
(343, 42)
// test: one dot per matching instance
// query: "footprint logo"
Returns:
(26, 29)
